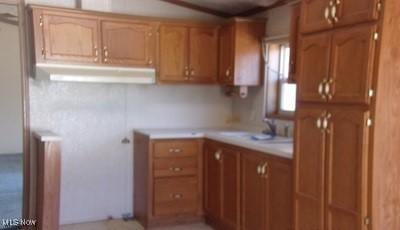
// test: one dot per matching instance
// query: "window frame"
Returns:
(273, 84)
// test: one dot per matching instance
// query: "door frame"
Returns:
(26, 193)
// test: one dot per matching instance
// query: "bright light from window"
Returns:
(288, 97)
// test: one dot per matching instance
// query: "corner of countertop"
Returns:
(46, 136)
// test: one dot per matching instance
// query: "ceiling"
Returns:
(229, 8)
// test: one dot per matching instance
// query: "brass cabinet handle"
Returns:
(333, 13)
(175, 169)
(264, 169)
(319, 123)
(192, 72)
(328, 89)
(325, 122)
(176, 196)
(228, 72)
(186, 72)
(217, 155)
(327, 15)
(150, 62)
(172, 150)
(259, 169)
(96, 53)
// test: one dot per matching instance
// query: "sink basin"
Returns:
(235, 134)
(246, 136)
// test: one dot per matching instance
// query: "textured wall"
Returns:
(10, 90)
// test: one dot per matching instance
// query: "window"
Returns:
(280, 93)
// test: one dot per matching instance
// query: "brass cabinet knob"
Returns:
(217, 155)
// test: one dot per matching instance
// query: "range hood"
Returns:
(98, 74)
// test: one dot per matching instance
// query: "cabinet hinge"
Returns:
(376, 36)
(371, 93)
(367, 221)
(369, 122)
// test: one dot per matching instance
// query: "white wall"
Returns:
(10, 90)
(249, 111)
(93, 118)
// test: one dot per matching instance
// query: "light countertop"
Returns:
(279, 146)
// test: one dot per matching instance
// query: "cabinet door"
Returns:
(347, 161)
(352, 64)
(174, 53)
(128, 43)
(356, 11)
(314, 66)
(280, 206)
(70, 38)
(203, 54)
(226, 55)
(313, 15)
(254, 193)
(294, 41)
(230, 193)
(309, 166)
(212, 182)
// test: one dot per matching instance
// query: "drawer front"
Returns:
(175, 196)
(176, 148)
(167, 167)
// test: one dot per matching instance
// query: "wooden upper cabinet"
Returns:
(67, 38)
(294, 41)
(309, 166)
(174, 66)
(355, 11)
(313, 66)
(188, 53)
(313, 15)
(254, 192)
(324, 14)
(352, 64)
(226, 54)
(240, 57)
(347, 163)
(230, 194)
(128, 43)
(203, 54)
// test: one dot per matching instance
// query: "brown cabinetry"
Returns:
(240, 55)
(128, 43)
(67, 37)
(325, 14)
(245, 189)
(330, 165)
(222, 189)
(73, 37)
(188, 53)
(345, 60)
(168, 180)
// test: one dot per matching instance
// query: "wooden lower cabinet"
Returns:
(168, 181)
(222, 188)
(245, 189)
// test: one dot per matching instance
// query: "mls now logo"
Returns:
(18, 222)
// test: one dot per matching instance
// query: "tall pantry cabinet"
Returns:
(347, 151)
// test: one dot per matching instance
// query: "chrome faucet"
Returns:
(271, 127)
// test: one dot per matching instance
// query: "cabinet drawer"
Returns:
(175, 196)
(176, 148)
(184, 166)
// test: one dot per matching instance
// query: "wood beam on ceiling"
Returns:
(260, 9)
(199, 8)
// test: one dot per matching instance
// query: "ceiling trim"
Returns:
(199, 8)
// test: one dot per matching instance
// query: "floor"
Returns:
(128, 225)
(10, 186)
